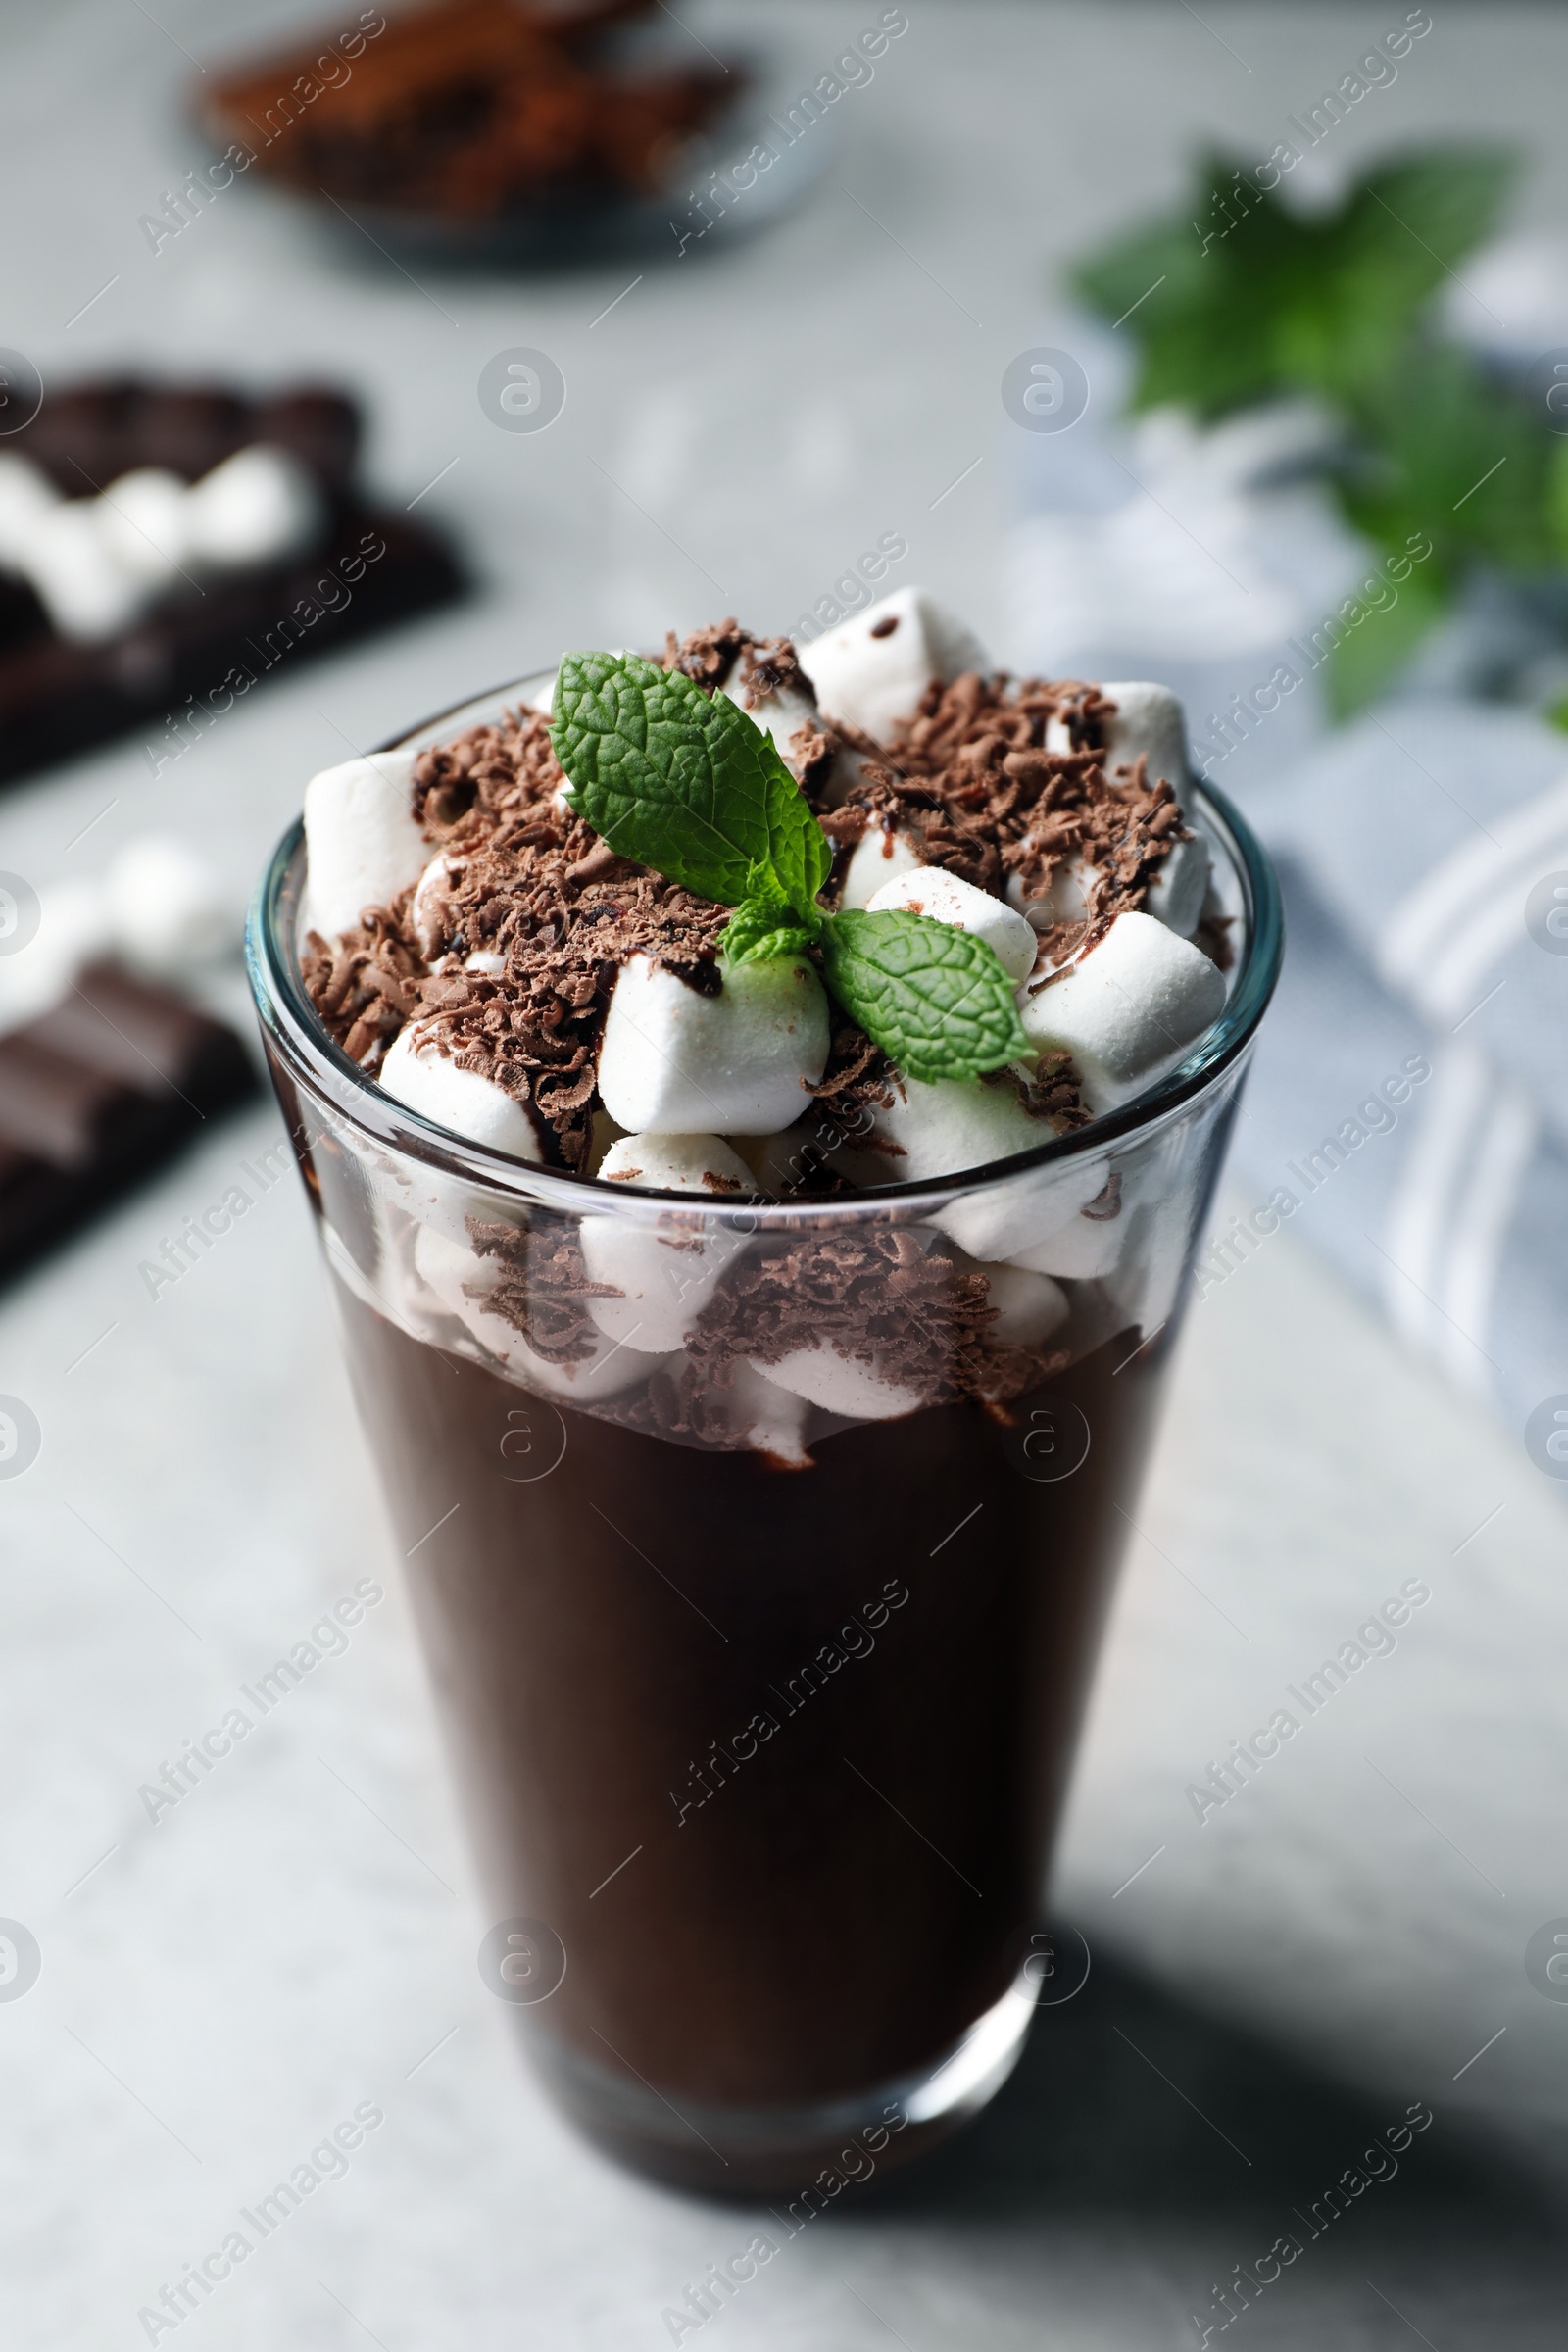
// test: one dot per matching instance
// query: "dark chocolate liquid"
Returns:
(829, 1715)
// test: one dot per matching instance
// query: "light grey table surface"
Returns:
(222, 1986)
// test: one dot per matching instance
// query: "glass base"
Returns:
(807, 2154)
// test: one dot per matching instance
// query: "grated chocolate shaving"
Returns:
(876, 1299)
(1106, 1204)
(771, 666)
(542, 1289)
(969, 776)
(365, 985)
(707, 656)
(859, 1080)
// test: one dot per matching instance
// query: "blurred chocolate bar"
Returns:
(165, 546)
(98, 1093)
(468, 109)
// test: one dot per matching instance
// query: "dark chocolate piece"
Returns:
(371, 568)
(471, 109)
(320, 427)
(98, 1093)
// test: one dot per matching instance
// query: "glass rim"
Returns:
(291, 1022)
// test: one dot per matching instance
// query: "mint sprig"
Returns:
(769, 924)
(1237, 297)
(1251, 299)
(694, 788)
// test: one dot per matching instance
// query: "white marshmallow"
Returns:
(73, 928)
(258, 507)
(1175, 897)
(877, 859)
(1030, 1307)
(704, 1164)
(1147, 718)
(486, 962)
(666, 1270)
(841, 1384)
(950, 1124)
(772, 1417)
(97, 563)
(1146, 1282)
(416, 1073)
(167, 906)
(873, 672)
(1128, 1010)
(1063, 903)
(362, 842)
(86, 589)
(1151, 720)
(781, 715)
(944, 898)
(425, 1196)
(452, 1271)
(1009, 1219)
(448, 1263)
(674, 1062)
(1083, 1250)
(145, 522)
(26, 496)
(957, 1124)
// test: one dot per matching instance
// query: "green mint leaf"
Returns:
(1234, 297)
(1379, 640)
(1556, 499)
(934, 997)
(687, 785)
(759, 929)
(1440, 438)
(800, 852)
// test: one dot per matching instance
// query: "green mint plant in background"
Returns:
(692, 787)
(1252, 301)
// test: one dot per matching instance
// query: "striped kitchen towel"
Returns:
(1408, 1110)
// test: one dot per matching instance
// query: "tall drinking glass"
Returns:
(763, 1714)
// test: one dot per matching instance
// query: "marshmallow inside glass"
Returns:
(757, 1417)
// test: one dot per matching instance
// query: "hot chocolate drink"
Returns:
(778, 1758)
